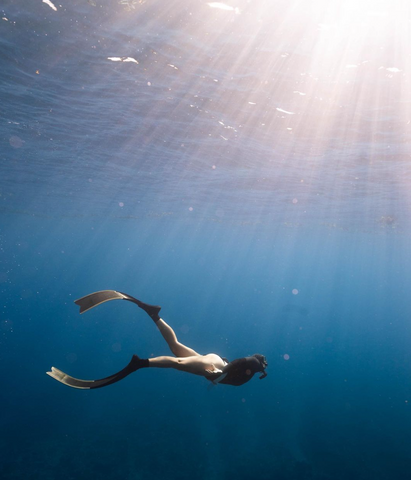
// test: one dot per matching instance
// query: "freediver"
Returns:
(211, 366)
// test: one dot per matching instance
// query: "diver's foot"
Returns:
(151, 310)
(136, 363)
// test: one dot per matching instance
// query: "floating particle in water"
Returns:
(190, 209)
(295, 200)
(120, 204)
(149, 84)
(26, 293)
(6, 326)
(286, 356)
(243, 400)
(184, 328)
(116, 347)
(71, 357)
(294, 291)
(213, 167)
(16, 141)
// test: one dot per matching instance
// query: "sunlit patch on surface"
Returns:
(223, 6)
(285, 111)
(123, 59)
(131, 4)
(50, 4)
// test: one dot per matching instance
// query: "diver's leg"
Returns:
(197, 365)
(177, 348)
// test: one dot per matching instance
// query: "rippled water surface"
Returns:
(259, 111)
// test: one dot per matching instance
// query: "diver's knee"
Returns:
(176, 349)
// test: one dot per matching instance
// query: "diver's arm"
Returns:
(213, 370)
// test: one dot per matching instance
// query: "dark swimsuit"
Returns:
(237, 372)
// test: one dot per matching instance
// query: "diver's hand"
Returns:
(213, 369)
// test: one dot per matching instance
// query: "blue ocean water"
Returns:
(246, 166)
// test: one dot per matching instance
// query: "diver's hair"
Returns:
(261, 359)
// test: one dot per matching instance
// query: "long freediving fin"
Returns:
(135, 364)
(96, 298)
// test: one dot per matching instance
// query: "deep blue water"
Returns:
(248, 169)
